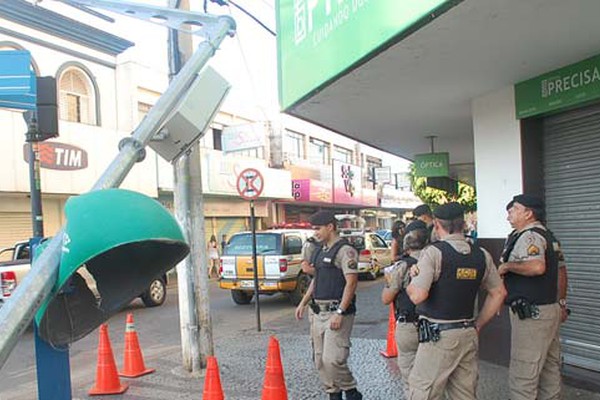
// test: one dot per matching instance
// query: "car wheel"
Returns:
(156, 293)
(302, 284)
(240, 297)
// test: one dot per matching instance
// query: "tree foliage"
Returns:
(466, 195)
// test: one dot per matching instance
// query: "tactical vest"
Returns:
(329, 279)
(402, 304)
(541, 289)
(452, 297)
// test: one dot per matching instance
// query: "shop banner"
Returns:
(334, 35)
(432, 165)
(347, 183)
(566, 87)
(369, 198)
(243, 137)
(402, 199)
(311, 190)
(219, 175)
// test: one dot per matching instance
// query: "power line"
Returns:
(248, 13)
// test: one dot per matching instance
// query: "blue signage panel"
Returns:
(17, 80)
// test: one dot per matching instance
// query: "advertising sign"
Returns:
(17, 81)
(347, 183)
(311, 190)
(242, 137)
(432, 165)
(575, 84)
(335, 34)
(59, 156)
(369, 197)
(383, 174)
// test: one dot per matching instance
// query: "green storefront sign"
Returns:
(317, 40)
(432, 165)
(563, 88)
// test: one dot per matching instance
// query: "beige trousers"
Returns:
(407, 340)
(534, 371)
(331, 350)
(450, 365)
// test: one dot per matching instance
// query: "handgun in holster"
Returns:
(428, 332)
(524, 309)
(314, 306)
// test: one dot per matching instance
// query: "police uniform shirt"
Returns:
(399, 279)
(308, 249)
(429, 266)
(346, 258)
(532, 246)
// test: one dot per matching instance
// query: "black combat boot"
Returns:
(353, 394)
(335, 396)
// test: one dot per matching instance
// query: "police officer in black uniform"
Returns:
(331, 297)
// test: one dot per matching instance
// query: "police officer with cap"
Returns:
(445, 284)
(331, 297)
(397, 279)
(536, 279)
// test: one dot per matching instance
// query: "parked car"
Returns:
(13, 271)
(373, 252)
(278, 260)
(386, 234)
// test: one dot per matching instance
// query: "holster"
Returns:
(428, 332)
(524, 309)
(314, 306)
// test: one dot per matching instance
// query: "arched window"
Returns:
(77, 97)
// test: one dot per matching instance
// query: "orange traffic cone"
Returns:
(133, 361)
(274, 386)
(212, 381)
(391, 350)
(107, 379)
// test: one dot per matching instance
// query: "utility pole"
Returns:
(192, 273)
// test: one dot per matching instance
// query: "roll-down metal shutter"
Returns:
(572, 185)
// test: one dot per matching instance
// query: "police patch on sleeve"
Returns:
(533, 250)
(352, 264)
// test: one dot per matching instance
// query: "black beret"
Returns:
(528, 201)
(322, 217)
(449, 211)
(415, 225)
(423, 209)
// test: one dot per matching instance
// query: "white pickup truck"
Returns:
(13, 271)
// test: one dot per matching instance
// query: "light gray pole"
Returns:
(194, 303)
(17, 313)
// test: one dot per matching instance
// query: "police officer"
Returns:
(332, 306)
(309, 249)
(397, 279)
(445, 283)
(536, 279)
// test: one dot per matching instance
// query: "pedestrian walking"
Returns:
(445, 284)
(536, 279)
(213, 257)
(397, 280)
(332, 300)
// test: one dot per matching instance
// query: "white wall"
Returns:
(497, 145)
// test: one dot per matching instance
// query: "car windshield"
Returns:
(357, 241)
(241, 244)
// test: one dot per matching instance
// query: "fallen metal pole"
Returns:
(18, 311)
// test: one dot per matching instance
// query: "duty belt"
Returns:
(430, 331)
(324, 306)
(406, 318)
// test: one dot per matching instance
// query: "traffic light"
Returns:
(115, 243)
(43, 121)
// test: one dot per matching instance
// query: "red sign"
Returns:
(250, 184)
(60, 156)
(311, 190)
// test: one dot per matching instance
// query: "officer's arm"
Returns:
(563, 282)
(388, 295)
(416, 294)
(308, 294)
(492, 304)
(526, 268)
(349, 290)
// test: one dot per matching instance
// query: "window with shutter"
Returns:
(77, 97)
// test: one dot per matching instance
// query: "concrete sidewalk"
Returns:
(242, 361)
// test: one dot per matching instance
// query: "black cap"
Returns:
(528, 201)
(322, 217)
(449, 211)
(423, 209)
(415, 225)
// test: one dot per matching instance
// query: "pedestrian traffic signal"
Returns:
(115, 243)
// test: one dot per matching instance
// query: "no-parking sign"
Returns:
(250, 184)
